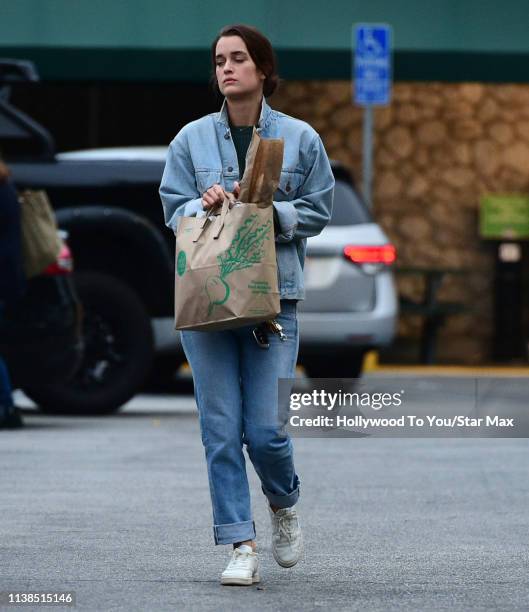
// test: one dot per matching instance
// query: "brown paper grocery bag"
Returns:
(41, 243)
(226, 270)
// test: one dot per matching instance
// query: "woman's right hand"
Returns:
(215, 195)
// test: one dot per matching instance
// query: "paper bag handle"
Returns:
(225, 208)
(229, 197)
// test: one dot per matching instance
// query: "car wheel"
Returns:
(118, 351)
(338, 365)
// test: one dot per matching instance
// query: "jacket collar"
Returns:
(264, 117)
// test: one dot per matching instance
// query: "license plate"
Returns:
(321, 272)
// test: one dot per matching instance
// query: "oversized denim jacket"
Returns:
(203, 154)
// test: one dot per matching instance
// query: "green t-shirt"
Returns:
(242, 136)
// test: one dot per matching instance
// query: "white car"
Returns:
(351, 302)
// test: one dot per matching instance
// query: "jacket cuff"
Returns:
(193, 207)
(286, 215)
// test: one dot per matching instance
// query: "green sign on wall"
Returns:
(504, 217)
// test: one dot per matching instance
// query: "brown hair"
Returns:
(260, 50)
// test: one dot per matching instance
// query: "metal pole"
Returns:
(367, 154)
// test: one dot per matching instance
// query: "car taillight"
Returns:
(362, 254)
(63, 265)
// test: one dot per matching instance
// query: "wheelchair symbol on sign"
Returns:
(369, 45)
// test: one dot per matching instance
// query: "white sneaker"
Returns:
(287, 542)
(242, 569)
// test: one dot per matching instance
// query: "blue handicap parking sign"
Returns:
(372, 63)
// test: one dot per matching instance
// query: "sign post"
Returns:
(504, 220)
(372, 77)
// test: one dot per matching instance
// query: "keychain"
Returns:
(260, 333)
(277, 329)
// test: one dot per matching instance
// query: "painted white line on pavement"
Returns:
(175, 404)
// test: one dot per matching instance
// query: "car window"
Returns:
(347, 208)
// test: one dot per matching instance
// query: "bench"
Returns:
(433, 312)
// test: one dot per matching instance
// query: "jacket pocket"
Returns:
(206, 179)
(288, 268)
(289, 185)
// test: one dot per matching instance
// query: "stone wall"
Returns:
(438, 148)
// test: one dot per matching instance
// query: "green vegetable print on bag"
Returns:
(246, 249)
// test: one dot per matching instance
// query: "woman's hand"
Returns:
(215, 195)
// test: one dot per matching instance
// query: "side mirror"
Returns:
(16, 71)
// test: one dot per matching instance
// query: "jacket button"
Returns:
(230, 169)
(226, 136)
(287, 188)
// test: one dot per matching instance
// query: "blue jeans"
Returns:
(6, 397)
(237, 395)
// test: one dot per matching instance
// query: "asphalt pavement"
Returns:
(117, 510)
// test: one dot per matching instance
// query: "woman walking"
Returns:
(235, 379)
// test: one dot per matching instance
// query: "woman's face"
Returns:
(237, 74)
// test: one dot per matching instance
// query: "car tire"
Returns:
(119, 350)
(339, 365)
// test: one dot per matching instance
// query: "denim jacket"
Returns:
(203, 154)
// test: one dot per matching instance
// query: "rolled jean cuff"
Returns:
(282, 501)
(234, 532)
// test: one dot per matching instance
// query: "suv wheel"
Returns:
(118, 350)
